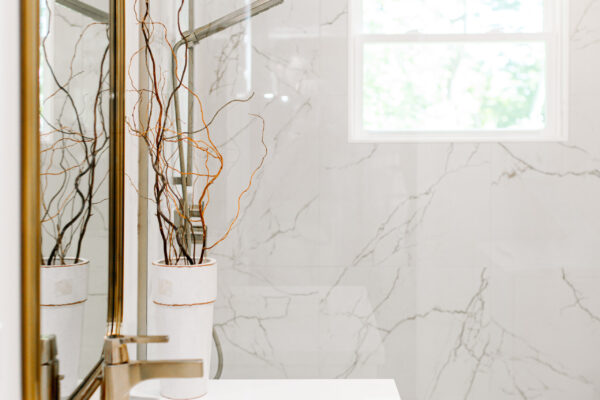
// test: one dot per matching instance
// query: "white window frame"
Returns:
(556, 37)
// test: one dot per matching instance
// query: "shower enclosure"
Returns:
(459, 269)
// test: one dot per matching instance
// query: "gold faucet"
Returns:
(121, 375)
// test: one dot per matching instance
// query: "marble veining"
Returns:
(462, 271)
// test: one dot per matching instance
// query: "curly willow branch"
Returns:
(71, 150)
(163, 136)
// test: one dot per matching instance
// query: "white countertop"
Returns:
(286, 389)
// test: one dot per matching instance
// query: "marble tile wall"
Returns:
(463, 271)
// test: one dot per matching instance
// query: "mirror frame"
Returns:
(30, 201)
(30, 196)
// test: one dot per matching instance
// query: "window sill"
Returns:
(457, 137)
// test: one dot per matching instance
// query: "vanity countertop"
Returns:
(286, 389)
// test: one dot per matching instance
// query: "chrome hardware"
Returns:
(240, 15)
(50, 381)
(85, 9)
(120, 374)
(197, 232)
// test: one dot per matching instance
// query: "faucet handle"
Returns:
(144, 339)
(115, 349)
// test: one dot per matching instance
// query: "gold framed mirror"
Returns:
(35, 205)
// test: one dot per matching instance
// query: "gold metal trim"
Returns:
(117, 166)
(30, 201)
(183, 305)
(90, 383)
(65, 304)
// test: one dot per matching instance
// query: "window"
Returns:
(458, 70)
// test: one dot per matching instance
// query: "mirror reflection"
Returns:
(74, 145)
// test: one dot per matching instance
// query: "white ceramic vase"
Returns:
(183, 298)
(64, 291)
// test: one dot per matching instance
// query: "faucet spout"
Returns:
(145, 370)
(120, 379)
(121, 374)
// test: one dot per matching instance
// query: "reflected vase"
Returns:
(64, 291)
(182, 298)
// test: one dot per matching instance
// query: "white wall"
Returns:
(10, 343)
